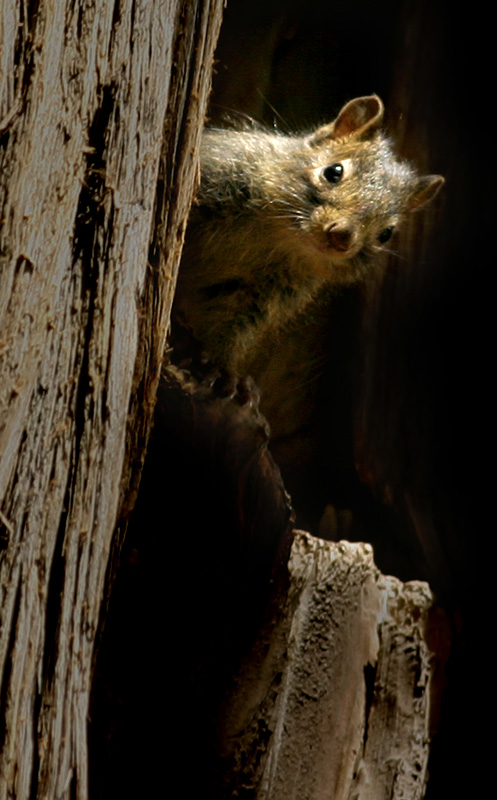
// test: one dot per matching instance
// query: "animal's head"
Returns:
(358, 191)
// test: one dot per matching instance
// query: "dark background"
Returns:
(403, 410)
(393, 409)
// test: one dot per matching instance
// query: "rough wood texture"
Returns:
(334, 701)
(306, 669)
(101, 106)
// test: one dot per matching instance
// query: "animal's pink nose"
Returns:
(340, 237)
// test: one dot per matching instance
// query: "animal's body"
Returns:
(277, 217)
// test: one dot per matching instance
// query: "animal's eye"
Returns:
(385, 235)
(333, 173)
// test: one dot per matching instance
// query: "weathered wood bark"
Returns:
(100, 112)
(308, 669)
(334, 702)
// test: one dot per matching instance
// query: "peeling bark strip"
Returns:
(338, 706)
(95, 121)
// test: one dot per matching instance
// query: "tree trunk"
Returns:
(101, 107)
(289, 666)
(343, 682)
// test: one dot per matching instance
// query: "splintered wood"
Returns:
(337, 707)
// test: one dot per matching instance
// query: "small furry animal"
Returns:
(277, 217)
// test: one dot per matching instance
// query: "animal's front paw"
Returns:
(241, 390)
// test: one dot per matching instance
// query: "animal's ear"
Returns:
(425, 190)
(360, 117)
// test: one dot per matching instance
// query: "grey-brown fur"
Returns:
(271, 225)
